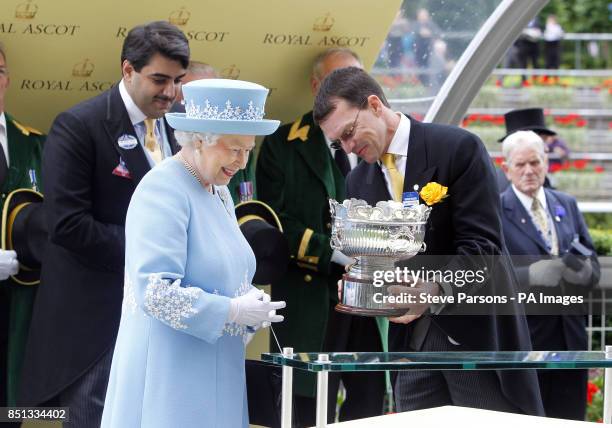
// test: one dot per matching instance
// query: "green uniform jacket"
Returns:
(25, 153)
(296, 175)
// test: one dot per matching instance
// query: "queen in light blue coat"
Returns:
(188, 300)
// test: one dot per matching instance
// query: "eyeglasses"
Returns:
(346, 135)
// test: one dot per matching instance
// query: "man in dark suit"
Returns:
(545, 223)
(95, 156)
(297, 172)
(402, 154)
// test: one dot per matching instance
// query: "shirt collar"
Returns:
(527, 200)
(3, 122)
(136, 115)
(399, 143)
(328, 142)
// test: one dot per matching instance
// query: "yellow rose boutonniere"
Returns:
(433, 193)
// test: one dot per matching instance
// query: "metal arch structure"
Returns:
(477, 62)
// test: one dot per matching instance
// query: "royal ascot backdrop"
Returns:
(60, 52)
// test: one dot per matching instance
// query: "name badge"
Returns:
(410, 199)
(127, 142)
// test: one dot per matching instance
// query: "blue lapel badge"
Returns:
(559, 213)
(127, 142)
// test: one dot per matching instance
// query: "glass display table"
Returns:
(322, 364)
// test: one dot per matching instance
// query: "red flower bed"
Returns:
(592, 389)
(571, 120)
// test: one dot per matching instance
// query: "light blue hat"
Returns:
(223, 106)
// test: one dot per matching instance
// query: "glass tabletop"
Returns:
(376, 361)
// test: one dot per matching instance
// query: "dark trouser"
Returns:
(564, 393)
(365, 391)
(5, 302)
(528, 52)
(423, 389)
(552, 54)
(85, 397)
(4, 338)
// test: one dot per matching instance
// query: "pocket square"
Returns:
(121, 170)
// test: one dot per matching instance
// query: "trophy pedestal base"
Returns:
(364, 312)
(361, 297)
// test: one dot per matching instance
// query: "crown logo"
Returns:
(323, 23)
(83, 68)
(179, 17)
(26, 10)
(231, 72)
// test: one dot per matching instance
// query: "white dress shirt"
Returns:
(4, 137)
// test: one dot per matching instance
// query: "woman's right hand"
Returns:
(254, 308)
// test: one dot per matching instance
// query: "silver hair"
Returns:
(188, 138)
(523, 139)
(321, 57)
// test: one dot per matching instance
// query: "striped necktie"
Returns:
(397, 181)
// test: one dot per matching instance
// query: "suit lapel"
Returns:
(521, 218)
(564, 234)
(376, 186)
(118, 123)
(312, 147)
(174, 146)
(418, 172)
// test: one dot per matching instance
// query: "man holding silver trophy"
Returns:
(452, 172)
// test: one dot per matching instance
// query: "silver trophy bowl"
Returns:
(377, 238)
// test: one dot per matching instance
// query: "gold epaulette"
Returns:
(297, 132)
(26, 130)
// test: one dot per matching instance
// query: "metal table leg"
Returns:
(287, 391)
(322, 390)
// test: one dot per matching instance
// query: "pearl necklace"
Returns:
(188, 166)
(192, 171)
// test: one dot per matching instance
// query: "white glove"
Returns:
(546, 273)
(581, 277)
(8, 264)
(342, 259)
(253, 308)
(264, 324)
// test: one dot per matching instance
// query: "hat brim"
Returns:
(14, 203)
(264, 233)
(535, 129)
(181, 122)
(257, 210)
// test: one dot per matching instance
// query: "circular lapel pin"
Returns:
(127, 142)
